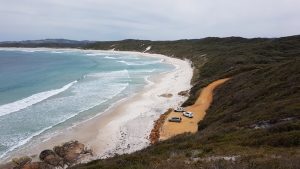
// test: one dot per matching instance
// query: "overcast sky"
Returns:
(147, 19)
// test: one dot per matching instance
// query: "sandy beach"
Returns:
(190, 125)
(126, 126)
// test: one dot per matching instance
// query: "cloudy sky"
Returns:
(147, 19)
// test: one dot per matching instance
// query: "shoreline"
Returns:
(125, 127)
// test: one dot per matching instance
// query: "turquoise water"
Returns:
(44, 90)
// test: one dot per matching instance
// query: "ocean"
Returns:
(45, 90)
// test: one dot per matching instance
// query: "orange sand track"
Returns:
(170, 129)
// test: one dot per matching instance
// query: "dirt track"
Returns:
(170, 129)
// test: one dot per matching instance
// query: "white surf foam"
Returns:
(104, 53)
(140, 64)
(134, 64)
(132, 58)
(143, 70)
(109, 57)
(149, 82)
(94, 54)
(31, 100)
(29, 51)
(22, 142)
(120, 90)
(113, 74)
(26, 140)
(57, 52)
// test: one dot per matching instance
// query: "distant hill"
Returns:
(60, 43)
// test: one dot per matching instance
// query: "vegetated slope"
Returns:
(215, 58)
(254, 121)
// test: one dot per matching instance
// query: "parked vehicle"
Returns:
(188, 114)
(179, 109)
(175, 119)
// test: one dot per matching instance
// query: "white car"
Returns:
(188, 114)
(179, 109)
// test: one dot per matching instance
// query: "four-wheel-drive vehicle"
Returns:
(188, 114)
(179, 109)
(175, 119)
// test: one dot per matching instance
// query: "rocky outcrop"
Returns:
(167, 95)
(184, 93)
(67, 154)
(71, 151)
(49, 157)
(37, 165)
(16, 163)
(22, 160)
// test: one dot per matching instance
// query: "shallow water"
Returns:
(44, 90)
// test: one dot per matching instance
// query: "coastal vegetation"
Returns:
(254, 120)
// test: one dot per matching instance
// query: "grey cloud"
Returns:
(147, 19)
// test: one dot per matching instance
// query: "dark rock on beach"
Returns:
(22, 160)
(71, 151)
(167, 95)
(37, 165)
(49, 157)
(184, 93)
(16, 163)
(67, 154)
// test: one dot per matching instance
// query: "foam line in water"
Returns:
(29, 50)
(137, 64)
(121, 73)
(104, 53)
(94, 54)
(26, 140)
(149, 82)
(57, 52)
(109, 57)
(31, 100)
(112, 105)
(144, 70)
(22, 142)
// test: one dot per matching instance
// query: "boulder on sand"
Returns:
(37, 165)
(167, 95)
(21, 161)
(71, 151)
(67, 154)
(184, 93)
(16, 163)
(49, 157)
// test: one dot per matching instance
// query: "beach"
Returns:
(125, 126)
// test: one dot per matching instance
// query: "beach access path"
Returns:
(170, 129)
